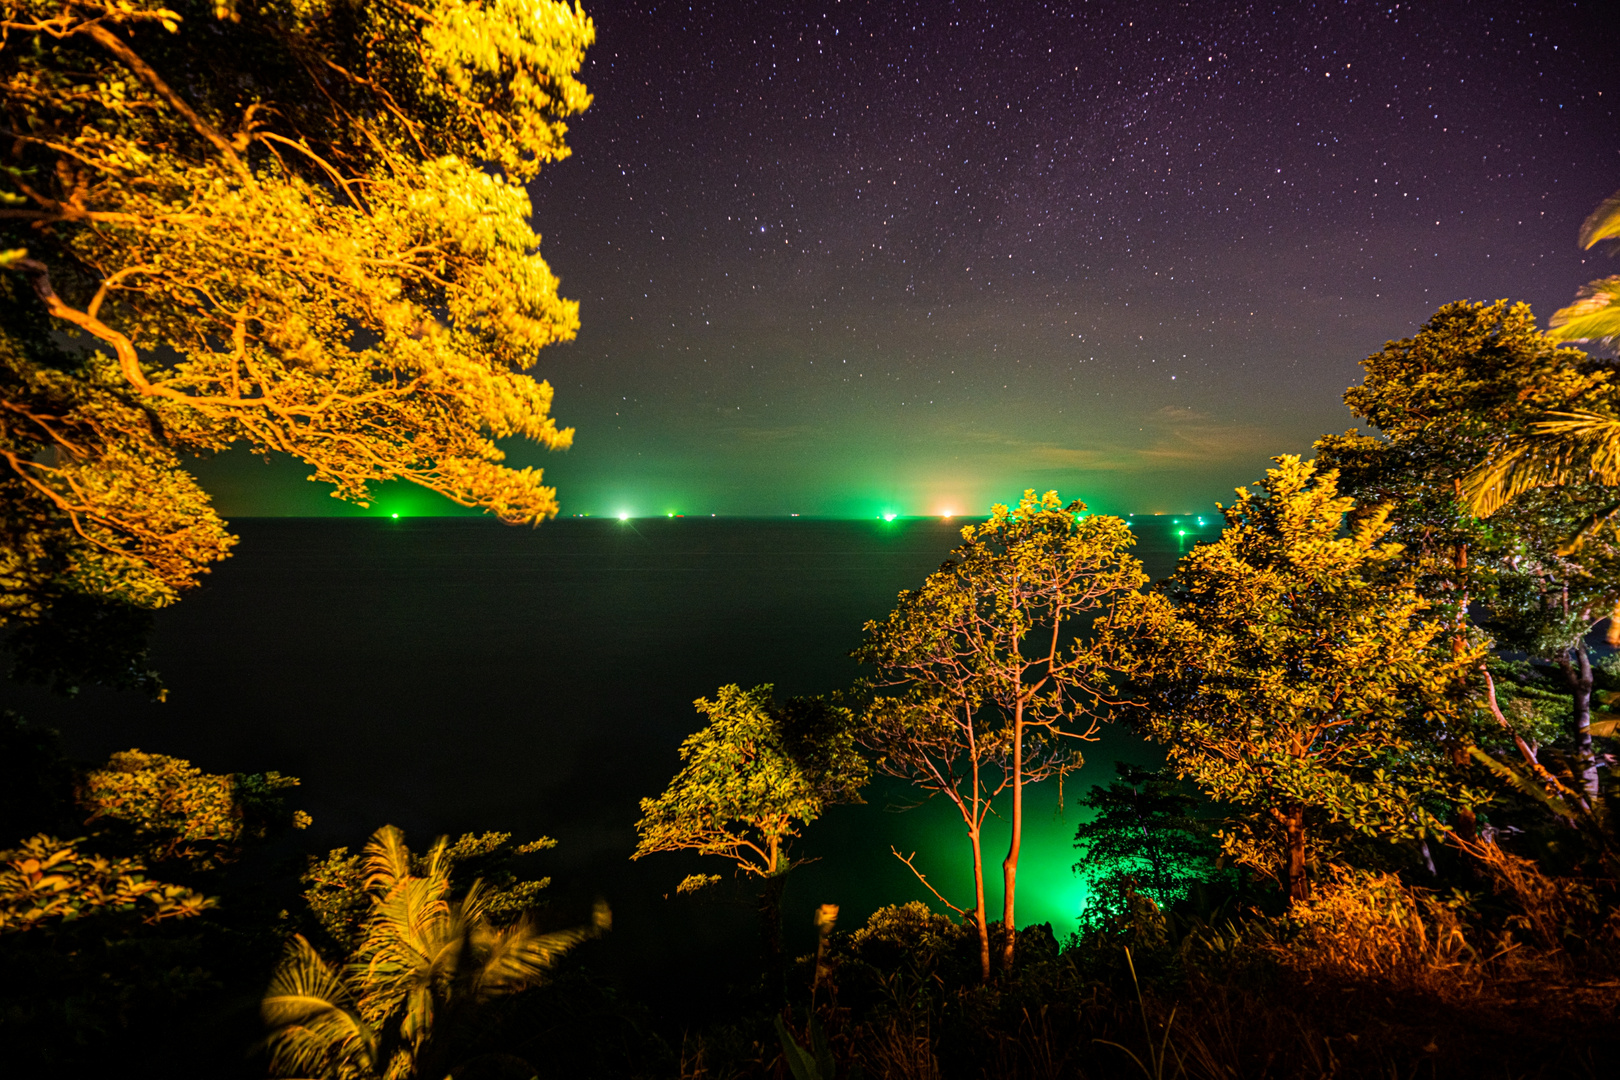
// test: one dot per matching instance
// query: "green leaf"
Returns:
(799, 1061)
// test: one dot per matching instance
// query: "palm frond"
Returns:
(303, 983)
(315, 1028)
(1560, 800)
(1594, 316)
(1562, 448)
(1602, 223)
(438, 860)
(518, 956)
(387, 860)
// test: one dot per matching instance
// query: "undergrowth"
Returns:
(1372, 977)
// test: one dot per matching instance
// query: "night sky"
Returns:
(839, 259)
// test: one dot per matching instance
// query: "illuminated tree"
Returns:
(1456, 404)
(295, 227)
(1295, 675)
(170, 810)
(751, 779)
(991, 643)
(427, 961)
(939, 742)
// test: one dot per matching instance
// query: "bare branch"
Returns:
(907, 859)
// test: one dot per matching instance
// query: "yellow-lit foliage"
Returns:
(45, 882)
(294, 225)
(174, 810)
(750, 780)
(1299, 677)
(1361, 926)
(425, 959)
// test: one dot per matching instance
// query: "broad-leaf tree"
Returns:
(751, 779)
(1296, 675)
(45, 882)
(169, 810)
(296, 227)
(428, 960)
(1456, 402)
(1143, 838)
(999, 634)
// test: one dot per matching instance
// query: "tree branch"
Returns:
(115, 45)
(907, 859)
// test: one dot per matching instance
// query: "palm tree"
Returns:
(1561, 449)
(426, 961)
(1565, 447)
(1595, 314)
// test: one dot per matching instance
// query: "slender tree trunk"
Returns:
(770, 927)
(1428, 856)
(1009, 866)
(1467, 820)
(979, 907)
(1579, 675)
(1297, 884)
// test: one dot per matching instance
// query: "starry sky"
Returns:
(848, 258)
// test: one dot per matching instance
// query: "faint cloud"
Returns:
(759, 434)
(1172, 437)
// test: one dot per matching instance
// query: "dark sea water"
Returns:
(453, 674)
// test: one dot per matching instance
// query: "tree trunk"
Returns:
(978, 910)
(1294, 879)
(1009, 866)
(1467, 821)
(1580, 685)
(770, 928)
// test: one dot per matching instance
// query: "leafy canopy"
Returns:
(168, 809)
(996, 629)
(1297, 675)
(751, 779)
(45, 882)
(145, 812)
(297, 226)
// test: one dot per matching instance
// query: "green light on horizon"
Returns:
(396, 517)
(890, 516)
